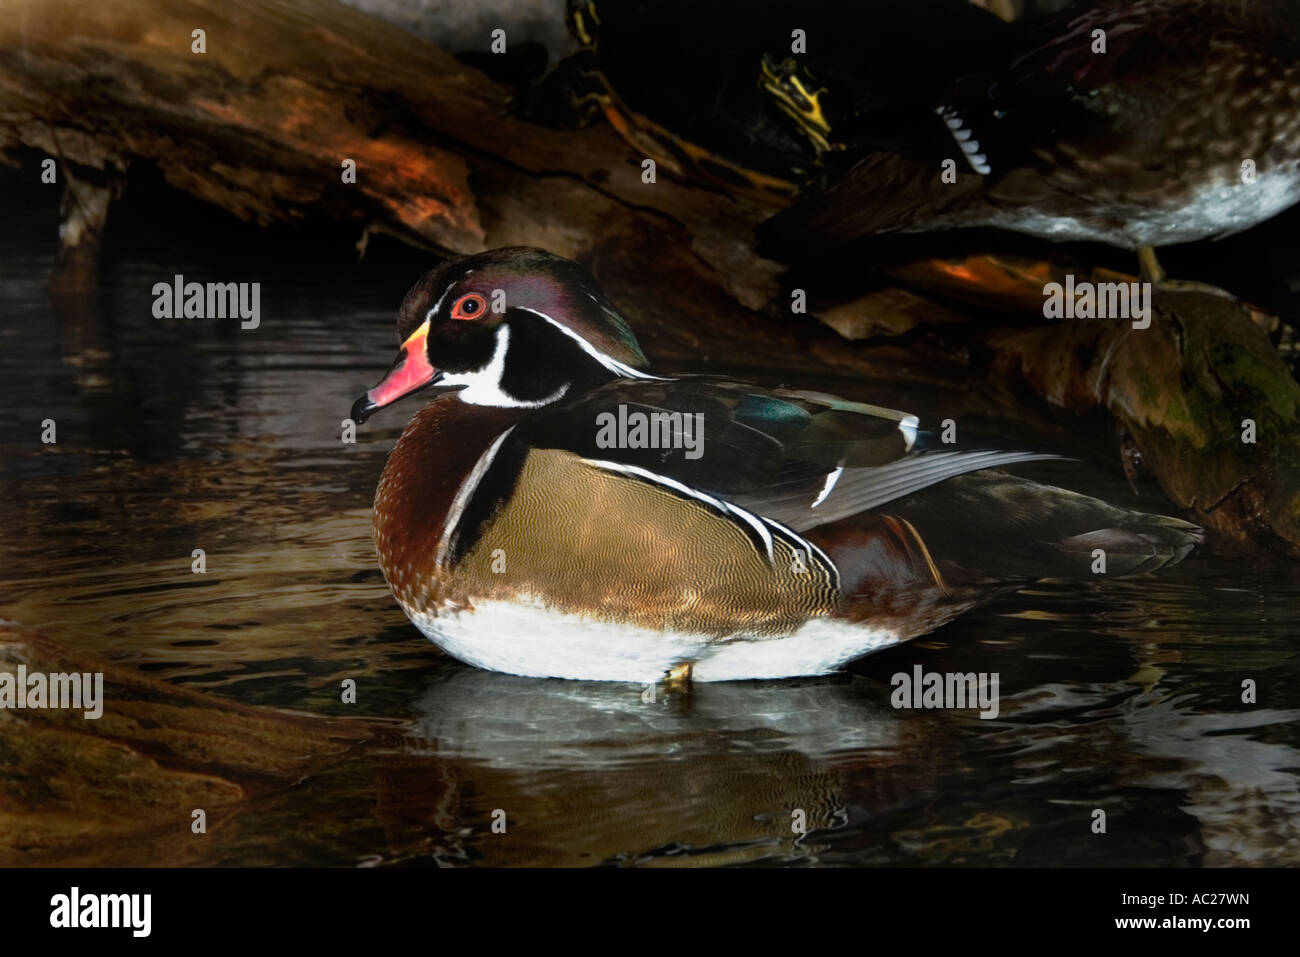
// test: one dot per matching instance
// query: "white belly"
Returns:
(532, 640)
(1212, 212)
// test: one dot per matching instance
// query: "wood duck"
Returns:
(559, 510)
(1138, 125)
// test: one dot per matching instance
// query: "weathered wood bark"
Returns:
(287, 90)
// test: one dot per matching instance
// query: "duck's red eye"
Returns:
(469, 306)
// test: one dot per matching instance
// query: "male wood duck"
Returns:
(559, 510)
(1186, 127)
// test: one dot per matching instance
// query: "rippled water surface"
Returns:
(181, 435)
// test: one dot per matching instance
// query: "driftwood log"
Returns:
(287, 90)
(123, 787)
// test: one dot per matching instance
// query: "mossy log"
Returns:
(1204, 397)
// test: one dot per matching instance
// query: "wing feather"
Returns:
(771, 453)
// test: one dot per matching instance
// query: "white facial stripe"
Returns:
(463, 494)
(428, 316)
(609, 362)
(726, 508)
(484, 385)
(437, 305)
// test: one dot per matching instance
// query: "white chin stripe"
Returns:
(483, 386)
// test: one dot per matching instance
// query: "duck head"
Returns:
(511, 327)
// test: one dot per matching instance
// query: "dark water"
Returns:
(181, 435)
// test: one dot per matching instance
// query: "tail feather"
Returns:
(1156, 543)
(1015, 529)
